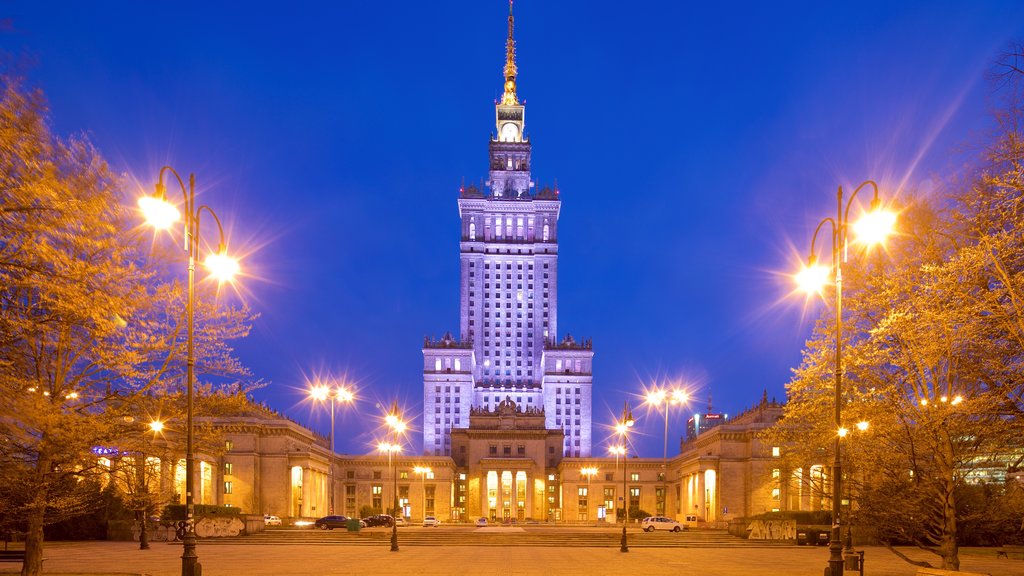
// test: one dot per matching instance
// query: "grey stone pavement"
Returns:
(163, 559)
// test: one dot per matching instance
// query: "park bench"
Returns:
(12, 555)
(1008, 549)
(941, 572)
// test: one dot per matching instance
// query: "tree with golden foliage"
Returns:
(88, 330)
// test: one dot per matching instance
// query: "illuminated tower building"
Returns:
(508, 347)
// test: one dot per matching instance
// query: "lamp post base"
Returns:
(623, 546)
(190, 565)
(394, 537)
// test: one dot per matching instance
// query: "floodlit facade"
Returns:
(508, 345)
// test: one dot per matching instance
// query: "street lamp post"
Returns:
(397, 426)
(664, 398)
(622, 427)
(874, 227)
(848, 551)
(423, 471)
(322, 393)
(162, 214)
(589, 472)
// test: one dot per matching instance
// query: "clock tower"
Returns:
(508, 351)
(510, 150)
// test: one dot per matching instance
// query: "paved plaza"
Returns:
(124, 558)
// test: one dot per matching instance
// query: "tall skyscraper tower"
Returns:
(508, 345)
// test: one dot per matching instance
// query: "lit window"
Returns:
(775, 451)
(227, 487)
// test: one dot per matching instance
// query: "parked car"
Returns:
(652, 523)
(385, 520)
(271, 520)
(431, 521)
(481, 521)
(331, 522)
(400, 521)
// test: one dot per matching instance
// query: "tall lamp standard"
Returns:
(589, 472)
(871, 229)
(322, 393)
(423, 471)
(862, 426)
(622, 427)
(397, 426)
(663, 398)
(161, 214)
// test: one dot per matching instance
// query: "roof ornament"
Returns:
(509, 97)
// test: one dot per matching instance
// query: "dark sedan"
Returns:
(331, 522)
(385, 520)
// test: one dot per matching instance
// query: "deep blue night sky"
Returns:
(695, 147)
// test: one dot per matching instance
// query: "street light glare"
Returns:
(812, 278)
(156, 426)
(319, 392)
(874, 227)
(221, 266)
(158, 212)
(862, 425)
(843, 432)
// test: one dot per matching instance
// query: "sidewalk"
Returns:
(320, 560)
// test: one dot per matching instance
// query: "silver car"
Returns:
(652, 523)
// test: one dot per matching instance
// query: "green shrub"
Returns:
(819, 517)
(176, 512)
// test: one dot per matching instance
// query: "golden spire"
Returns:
(509, 97)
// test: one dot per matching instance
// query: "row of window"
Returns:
(448, 363)
(507, 230)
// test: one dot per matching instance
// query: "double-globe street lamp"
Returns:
(871, 229)
(622, 428)
(423, 472)
(663, 399)
(394, 422)
(162, 214)
(322, 393)
(589, 472)
(862, 426)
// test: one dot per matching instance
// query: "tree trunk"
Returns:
(33, 565)
(948, 546)
(140, 515)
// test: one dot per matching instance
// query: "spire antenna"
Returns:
(509, 97)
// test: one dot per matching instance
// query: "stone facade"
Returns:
(507, 464)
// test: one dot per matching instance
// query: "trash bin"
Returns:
(352, 524)
(801, 537)
(854, 561)
(824, 538)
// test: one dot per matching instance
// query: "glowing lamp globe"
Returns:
(813, 278)
(221, 266)
(158, 212)
(874, 227)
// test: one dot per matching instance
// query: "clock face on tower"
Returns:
(509, 132)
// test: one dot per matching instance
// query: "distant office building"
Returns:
(700, 423)
(508, 346)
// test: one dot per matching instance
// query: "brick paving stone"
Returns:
(119, 558)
